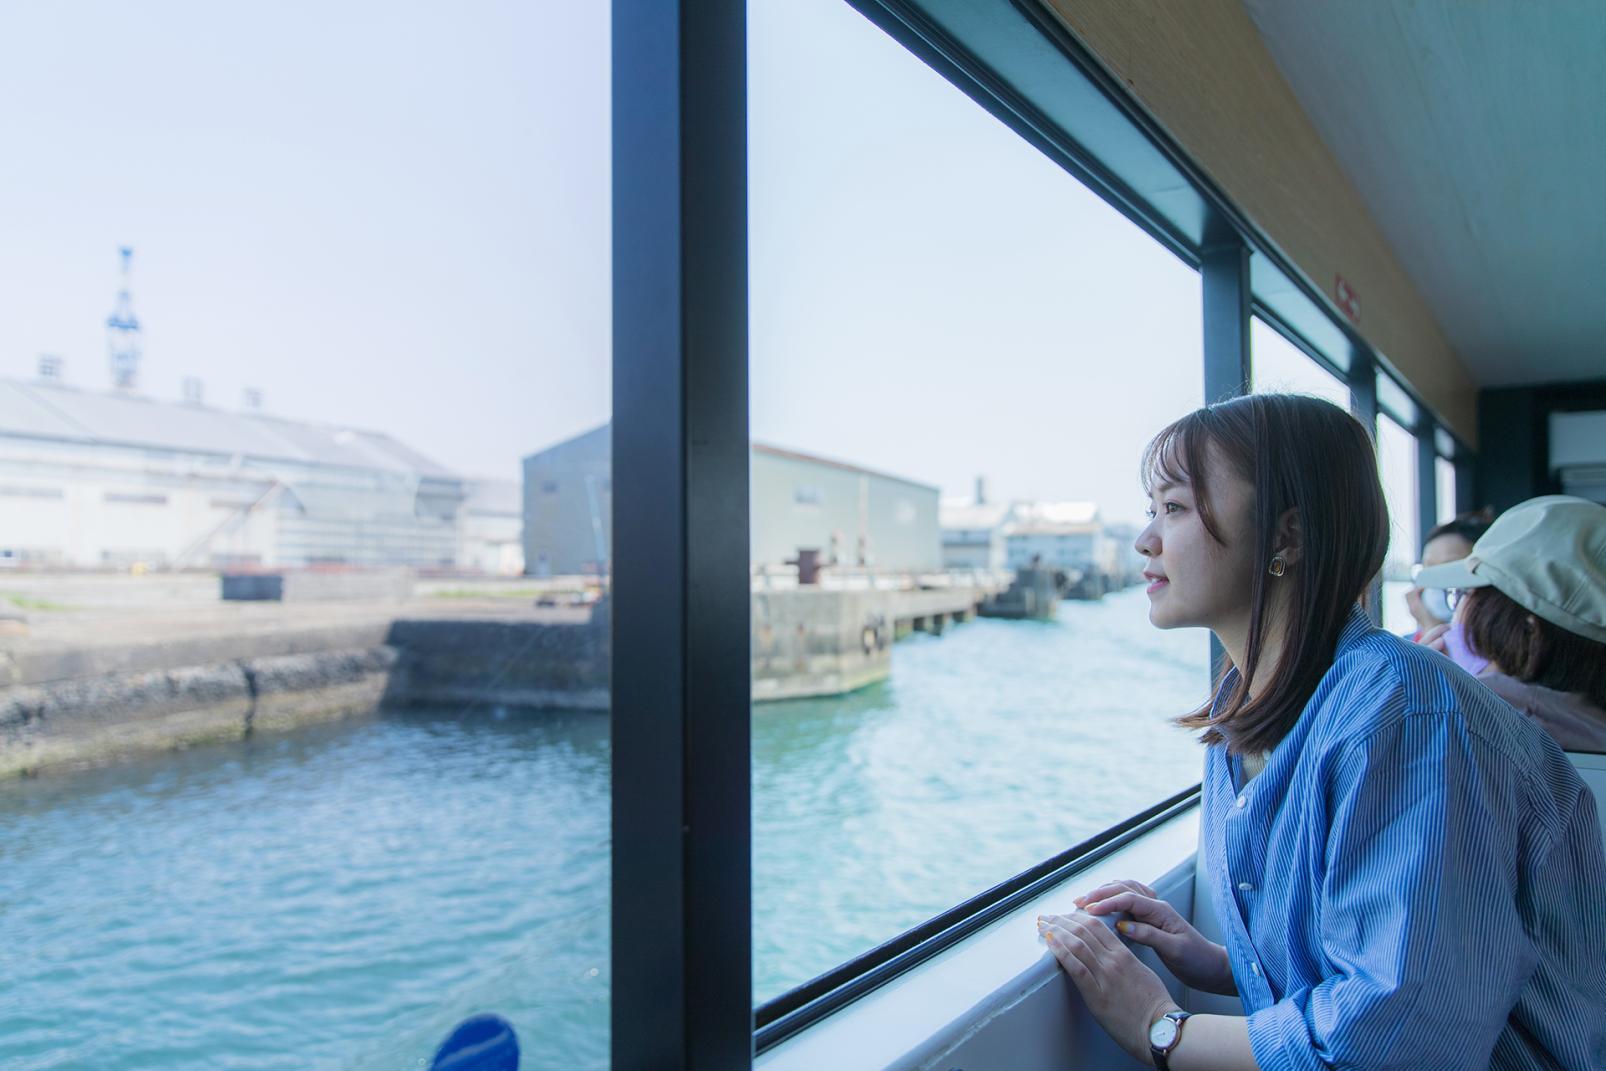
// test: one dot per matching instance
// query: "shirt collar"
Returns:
(1355, 629)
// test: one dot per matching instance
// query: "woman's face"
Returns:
(1195, 581)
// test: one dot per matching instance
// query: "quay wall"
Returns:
(812, 642)
(106, 717)
(106, 703)
(499, 663)
(65, 704)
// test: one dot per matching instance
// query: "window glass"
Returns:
(1444, 488)
(1279, 365)
(1393, 400)
(304, 392)
(1396, 459)
(1444, 443)
(958, 354)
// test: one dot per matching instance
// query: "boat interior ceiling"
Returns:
(1423, 174)
(1465, 130)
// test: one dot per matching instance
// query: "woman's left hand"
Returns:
(1125, 996)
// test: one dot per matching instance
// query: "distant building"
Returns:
(492, 532)
(108, 480)
(854, 516)
(1129, 564)
(568, 506)
(1061, 535)
(975, 536)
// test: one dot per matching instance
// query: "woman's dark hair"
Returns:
(1531, 649)
(1303, 454)
(1469, 526)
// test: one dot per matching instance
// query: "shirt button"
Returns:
(1244, 886)
(1256, 968)
(1242, 801)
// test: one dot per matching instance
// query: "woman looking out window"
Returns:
(1408, 872)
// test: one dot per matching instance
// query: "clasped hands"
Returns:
(1124, 995)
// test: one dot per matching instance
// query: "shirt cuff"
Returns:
(1281, 1040)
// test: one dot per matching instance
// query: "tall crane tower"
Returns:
(122, 333)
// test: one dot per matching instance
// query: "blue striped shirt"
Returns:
(1414, 880)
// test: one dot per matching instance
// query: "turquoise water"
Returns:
(339, 897)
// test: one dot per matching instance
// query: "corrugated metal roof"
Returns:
(49, 411)
(831, 463)
(601, 438)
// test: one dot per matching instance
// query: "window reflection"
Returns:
(958, 353)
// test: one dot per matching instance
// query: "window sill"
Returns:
(998, 985)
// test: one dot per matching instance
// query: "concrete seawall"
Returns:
(96, 685)
(499, 663)
(82, 691)
(106, 717)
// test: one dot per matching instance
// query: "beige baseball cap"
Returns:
(1548, 555)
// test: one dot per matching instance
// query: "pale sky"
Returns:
(395, 216)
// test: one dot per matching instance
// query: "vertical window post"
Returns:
(1427, 482)
(1363, 403)
(1224, 282)
(682, 926)
(1224, 278)
(1466, 497)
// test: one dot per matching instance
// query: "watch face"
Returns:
(1163, 1033)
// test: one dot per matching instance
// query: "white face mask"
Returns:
(1436, 602)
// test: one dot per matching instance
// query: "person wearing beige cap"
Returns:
(1530, 615)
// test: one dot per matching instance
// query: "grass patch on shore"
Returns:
(28, 602)
(492, 593)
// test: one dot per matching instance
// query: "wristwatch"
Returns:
(1164, 1036)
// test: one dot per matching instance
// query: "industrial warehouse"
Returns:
(850, 517)
(117, 480)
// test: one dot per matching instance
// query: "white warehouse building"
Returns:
(855, 517)
(92, 480)
(1061, 535)
(975, 534)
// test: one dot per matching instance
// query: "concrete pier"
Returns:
(1034, 594)
(813, 642)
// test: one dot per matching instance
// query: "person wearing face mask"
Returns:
(1530, 615)
(1450, 541)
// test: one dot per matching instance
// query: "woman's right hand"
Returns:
(1434, 638)
(1197, 962)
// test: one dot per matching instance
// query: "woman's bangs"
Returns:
(1166, 458)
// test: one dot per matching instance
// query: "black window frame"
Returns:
(681, 907)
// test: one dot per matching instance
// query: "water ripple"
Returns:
(339, 897)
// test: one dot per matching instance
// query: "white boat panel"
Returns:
(996, 999)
